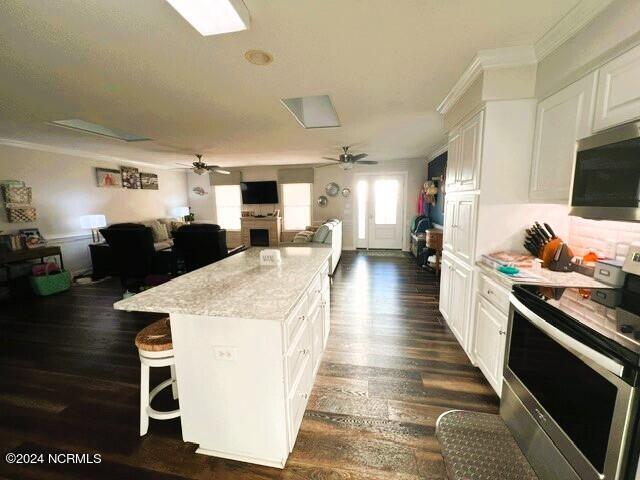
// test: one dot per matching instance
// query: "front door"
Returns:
(379, 211)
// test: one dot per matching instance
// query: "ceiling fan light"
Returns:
(200, 171)
(346, 165)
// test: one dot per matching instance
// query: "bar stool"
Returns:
(155, 349)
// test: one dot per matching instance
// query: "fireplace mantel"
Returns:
(272, 224)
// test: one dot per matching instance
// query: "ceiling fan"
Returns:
(199, 167)
(347, 160)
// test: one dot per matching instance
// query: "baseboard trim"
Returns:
(242, 458)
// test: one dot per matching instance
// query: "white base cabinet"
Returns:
(455, 294)
(491, 316)
(244, 383)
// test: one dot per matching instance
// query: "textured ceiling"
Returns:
(137, 66)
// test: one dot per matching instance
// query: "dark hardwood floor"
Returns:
(69, 383)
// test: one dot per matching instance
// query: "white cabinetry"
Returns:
(455, 288)
(618, 93)
(459, 226)
(561, 119)
(464, 155)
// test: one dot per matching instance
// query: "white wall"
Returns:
(64, 188)
(338, 207)
(343, 208)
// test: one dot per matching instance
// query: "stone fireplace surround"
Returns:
(272, 224)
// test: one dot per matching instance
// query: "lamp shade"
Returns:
(181, 211)
(93, 221)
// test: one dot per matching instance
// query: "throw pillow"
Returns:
(321, 234)
(160, 232)
(303, 237)
(176, 224)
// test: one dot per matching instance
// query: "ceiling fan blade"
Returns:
(185, 165)
(326, 165)
(366, 162)
(359, 156)
(332, 159)
(221, 171)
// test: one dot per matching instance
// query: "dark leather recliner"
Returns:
(200, 244)
(134, 253)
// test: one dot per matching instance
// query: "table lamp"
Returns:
(93, 222)
(181, 212)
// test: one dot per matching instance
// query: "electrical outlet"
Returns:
(224, 352)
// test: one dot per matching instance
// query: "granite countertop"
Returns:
(236, 287)
(559, 279)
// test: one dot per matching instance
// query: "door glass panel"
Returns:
(579, 399)
(361, 191)
(386, 201)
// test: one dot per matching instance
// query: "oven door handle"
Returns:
(567, 341)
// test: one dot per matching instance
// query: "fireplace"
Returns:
(260, 231)
(259, 237)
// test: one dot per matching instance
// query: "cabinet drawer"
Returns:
(299, 352)
(298, 400)
(313, 294)
(296, 320)
(497, 295)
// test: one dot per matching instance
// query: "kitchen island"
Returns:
(247, 340)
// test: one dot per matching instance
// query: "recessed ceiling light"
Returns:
(88, 127)
(213, 17)
(313, 112)
(258, 57)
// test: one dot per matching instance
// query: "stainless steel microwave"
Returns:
(606, 178)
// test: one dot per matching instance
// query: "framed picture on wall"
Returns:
(148, 181)
(107, 177)
(130, 177)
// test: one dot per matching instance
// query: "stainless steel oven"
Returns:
(570, 395)
(606, 180)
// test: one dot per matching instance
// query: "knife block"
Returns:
(549, 252)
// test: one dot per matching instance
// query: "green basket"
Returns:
(51, 283)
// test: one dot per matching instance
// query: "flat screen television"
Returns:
(259, 192)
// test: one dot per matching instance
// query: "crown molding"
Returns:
(575, 20)
(487, 60)
(438, 150)
(77, 153)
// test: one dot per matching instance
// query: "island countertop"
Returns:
(236, 287)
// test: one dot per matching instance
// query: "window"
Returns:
(386, 198)
(296, 201)
(228, 206)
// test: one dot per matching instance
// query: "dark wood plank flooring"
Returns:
(69, 383)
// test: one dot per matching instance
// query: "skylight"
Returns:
(313, 112)
(213, 17)
(88, 127)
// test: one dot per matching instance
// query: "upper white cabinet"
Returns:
(453, 156)
(561, 119)
(468, 170)
(618, 91)
(463, 160)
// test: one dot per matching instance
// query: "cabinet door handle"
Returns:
(305, 351)
(502, 332)
(304, 395)
(490, 292)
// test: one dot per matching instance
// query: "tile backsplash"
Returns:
(603, 237)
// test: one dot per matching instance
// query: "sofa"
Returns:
(200, 244)
(327, 235)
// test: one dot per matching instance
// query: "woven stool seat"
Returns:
(155, 337)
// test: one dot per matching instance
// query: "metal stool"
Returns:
(155, 349)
